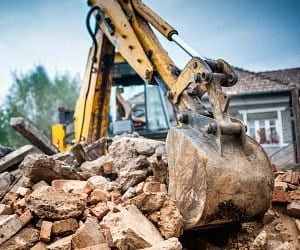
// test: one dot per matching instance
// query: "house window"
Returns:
(264, 125)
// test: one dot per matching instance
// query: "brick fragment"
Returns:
(25, 217)
(5, 210)
(9, 226)
(280, 196)
(88, 234)
(99, 195)
(100, 210)
(65, 227)
(45, 233)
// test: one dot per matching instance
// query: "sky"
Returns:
(256, 35)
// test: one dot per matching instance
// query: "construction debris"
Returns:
(14, 157)
(32, 134)
(121, 201)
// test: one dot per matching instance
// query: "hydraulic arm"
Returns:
(216, 172)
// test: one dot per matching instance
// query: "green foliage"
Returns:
(36, 97)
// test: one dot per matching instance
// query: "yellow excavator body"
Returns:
(217, 174)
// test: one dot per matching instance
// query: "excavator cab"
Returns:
(138, 107)
(134, 107)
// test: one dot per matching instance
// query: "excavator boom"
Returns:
(216, 172)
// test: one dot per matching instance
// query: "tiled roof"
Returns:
(254, 83)
(290, 77)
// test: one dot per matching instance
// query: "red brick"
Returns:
(100, 210)
(25, 217)
(5, 210)
(45, 233)
(280, 196)
(99, 195)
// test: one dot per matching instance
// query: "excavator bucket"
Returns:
(213, 188)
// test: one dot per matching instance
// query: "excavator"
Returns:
(217, 174)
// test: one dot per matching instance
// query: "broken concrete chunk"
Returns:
(89, 234)
(170, 222)
(61, 244)
(138, 145)
(51, 203)
(100, 210)
(39, 246)
(65, 227)
(159, 164)
(260, 241)
(169, 244)
(39, 167)
(39, 184)
(149, 202)
(9, 226)
(268, 217)
(45, 233)
(78, 153)
(101, 182)
(133, 172)
(94, 167)
(130, 162)
(22, 191)
(293, 209)
(130, 229)
(24, 239)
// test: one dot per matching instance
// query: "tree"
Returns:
(36, 97)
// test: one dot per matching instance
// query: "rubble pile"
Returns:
(86, 200)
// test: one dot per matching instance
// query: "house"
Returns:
(266, 103)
